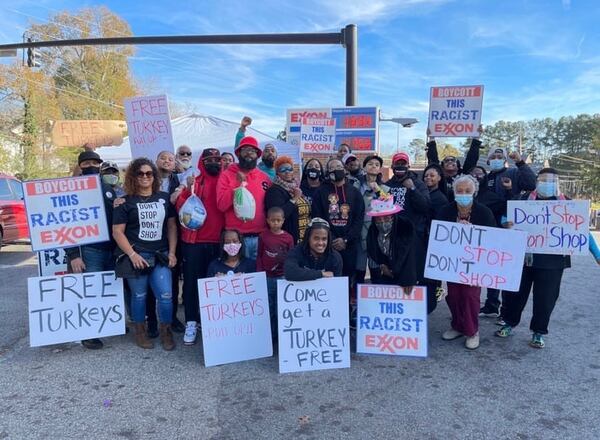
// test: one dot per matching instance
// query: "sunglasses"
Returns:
(286, 169)
(147, 174)
(185, 153)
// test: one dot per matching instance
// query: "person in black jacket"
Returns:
(96, 257)
(463, 300)
(343, 207)
(315, 257)
(285, 194)
(541, 272)
(312, 178)
(434, 180)
(509, 182)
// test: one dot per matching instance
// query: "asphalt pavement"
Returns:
(503, 390)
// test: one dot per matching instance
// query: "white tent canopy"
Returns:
(200, 132)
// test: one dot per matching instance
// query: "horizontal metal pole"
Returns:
(300, 38)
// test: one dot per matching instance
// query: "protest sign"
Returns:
(93, 133)
(475, 255)
(390, 321)
(313, 324)
(65, 212)
(74, 307)
(234, 311)
(317, 135)
(52, 262)
(553, 226)
(149, 125)
(455, 111)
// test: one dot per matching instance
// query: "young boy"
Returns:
(273, 247)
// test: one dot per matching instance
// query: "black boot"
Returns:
(92, 344)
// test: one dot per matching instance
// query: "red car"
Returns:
(13, 219)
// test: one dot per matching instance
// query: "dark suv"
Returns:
(13, 219)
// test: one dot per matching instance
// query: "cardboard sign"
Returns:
(455, 111)
(234, 311)
(149, 126)
(74, 307)
(355, 126)
(313, 324)
(65, 212)
(52, 262)
(317, 135)
(93, 133)
(475, 255)
(554, 226)
(391, 322)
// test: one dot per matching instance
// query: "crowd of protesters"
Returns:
(342, 218)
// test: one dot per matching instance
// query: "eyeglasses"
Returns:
(185, 153)
(285, 169)
(142, 174)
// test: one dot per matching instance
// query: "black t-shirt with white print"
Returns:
(145, 220)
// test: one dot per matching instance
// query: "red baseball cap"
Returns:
(249, 141)
(401, 156)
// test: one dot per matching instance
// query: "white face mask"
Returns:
(232, 249)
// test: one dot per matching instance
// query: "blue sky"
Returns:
(535, 58)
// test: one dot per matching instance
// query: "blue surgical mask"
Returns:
(496, 164)
(463, 200)
(110, 179)
(546, 189)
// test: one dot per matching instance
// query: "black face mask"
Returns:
(247, 163)
(212, 168)
(313, 173)
(337, 175)
(87, 171)
(355, 172)
(268, 161)
(400, 170)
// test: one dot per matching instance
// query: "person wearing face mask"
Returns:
(183, 164)
(463, 300)
(97, 257)
(231, 259)
(109, 173)
(343, 207)
(355, 174)
(542, 273)
(312, 178)
(267, 161)
(508, 182)
(199, 247)
(256, 182)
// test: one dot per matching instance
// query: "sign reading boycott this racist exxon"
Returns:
(234, 311)
(553, 226)
(317, 135)
(475, 255)
(52, 262)
(65, 212)
(73, 307)
(313, 324)
(390, 321)
(149, 125)
(455, 111)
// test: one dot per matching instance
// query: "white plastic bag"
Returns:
(192, 214)
(244, 204)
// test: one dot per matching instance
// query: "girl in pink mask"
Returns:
(231, 259)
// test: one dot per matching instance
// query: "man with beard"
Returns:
(268, 159)
(183, 164)
(411, 194)
(244, 173)
(356, 175)
(199, 247)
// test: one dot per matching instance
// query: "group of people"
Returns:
(340, 219)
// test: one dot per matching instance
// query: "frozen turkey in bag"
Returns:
(244, 204)
(192, 214)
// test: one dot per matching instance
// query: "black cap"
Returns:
(371, 157)
(210, 152)
(88, 155)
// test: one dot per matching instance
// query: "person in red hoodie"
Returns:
(256, 182)
(200, 246)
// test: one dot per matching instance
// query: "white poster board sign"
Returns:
(313, 324)
(455, 111)
(52, 262)
(475, 255)
(148, 125)
(74, 307)
(390, 321)
(559, 227)
(234, 310)
(65, 212)
(317, 135)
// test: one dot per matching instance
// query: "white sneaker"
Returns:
(472, 342)
(451, 334)
(191, 330)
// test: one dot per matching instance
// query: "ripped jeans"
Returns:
(160, 282)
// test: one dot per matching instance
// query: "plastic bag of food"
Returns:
(244, 204)
(192, 214)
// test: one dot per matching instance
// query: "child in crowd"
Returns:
(231, 259)
(273, 247)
